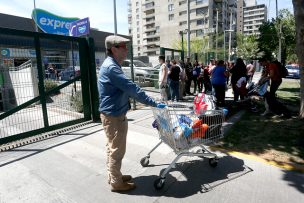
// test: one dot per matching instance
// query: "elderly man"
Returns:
(114, 93)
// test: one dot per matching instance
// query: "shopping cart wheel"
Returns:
(159, 183)
(213, 162)
(144, 161)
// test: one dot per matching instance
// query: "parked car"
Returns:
(293, 71)
(141, 70)
(69, 73)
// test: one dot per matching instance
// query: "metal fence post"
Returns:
(41, 80)
(93, 80)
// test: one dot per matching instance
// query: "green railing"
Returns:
(47, 82)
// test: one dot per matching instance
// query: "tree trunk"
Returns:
(298, 6)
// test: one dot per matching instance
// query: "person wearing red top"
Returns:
(271, 72)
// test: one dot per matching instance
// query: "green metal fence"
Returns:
(46, 82)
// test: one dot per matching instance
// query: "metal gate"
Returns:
(46, 82)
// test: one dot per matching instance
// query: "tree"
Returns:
(247, 47)
(298, 6)
(287, 21)
(268, 39)
(197, 45)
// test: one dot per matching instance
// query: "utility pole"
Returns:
(230, 28)
(182, 35)
(216, 30)
(36, 27)
(115, 20)
(188, 32)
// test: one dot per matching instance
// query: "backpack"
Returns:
(282, 70)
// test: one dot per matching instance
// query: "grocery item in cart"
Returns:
(199, 132)
(203, 102)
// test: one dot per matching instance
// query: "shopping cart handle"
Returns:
(161, 105)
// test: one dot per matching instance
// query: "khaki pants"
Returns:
(116, 128)
(163, 91)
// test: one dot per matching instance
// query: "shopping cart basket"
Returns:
(186, 133)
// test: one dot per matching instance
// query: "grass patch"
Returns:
(273, 137)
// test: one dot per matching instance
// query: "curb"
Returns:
(287, 166)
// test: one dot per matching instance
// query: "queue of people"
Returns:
(175, 81)
(214, 78)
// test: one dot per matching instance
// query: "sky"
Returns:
(100, 12)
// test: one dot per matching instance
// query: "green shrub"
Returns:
(76, 101)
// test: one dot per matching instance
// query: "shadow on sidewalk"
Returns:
(38, 146)
(295, 180)
(195, 177)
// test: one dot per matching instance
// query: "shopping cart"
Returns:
(186, 133)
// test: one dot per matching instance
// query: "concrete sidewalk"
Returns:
(71, 168)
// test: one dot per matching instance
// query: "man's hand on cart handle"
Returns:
(161, 105)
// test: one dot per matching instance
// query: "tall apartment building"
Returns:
(157, 23)
(250, 16)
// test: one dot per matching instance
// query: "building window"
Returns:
(171, 17)
(149, 5)
(183, 23)
(137, 3)
(182, 13)
(199, 22)
(137, 16)
(182, 2)
(170, 7)
(157, 29)
(138, 36)
(199, 1)
(199, 11)
(138, 29)
(137, 10)
(137, 23)
(138, 48)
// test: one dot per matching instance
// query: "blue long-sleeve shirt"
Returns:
(115, 89)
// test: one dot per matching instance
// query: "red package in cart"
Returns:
(203, 102)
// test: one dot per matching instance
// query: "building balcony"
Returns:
(150, 49)
(149, 22)
(147, 7)
(153, 43)
(150, 36)
(149, 15)
(149, 29)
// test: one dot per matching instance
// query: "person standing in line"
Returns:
(189, 76)
(174, 80)
(182, 77)
(212, 64)
(218, 80)
(162, 78)
(250, 71)
(195, 73)
(207, 81)
(238, 71)
(168, 64)
(114, 91)
(271, 72)
(200, 79)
